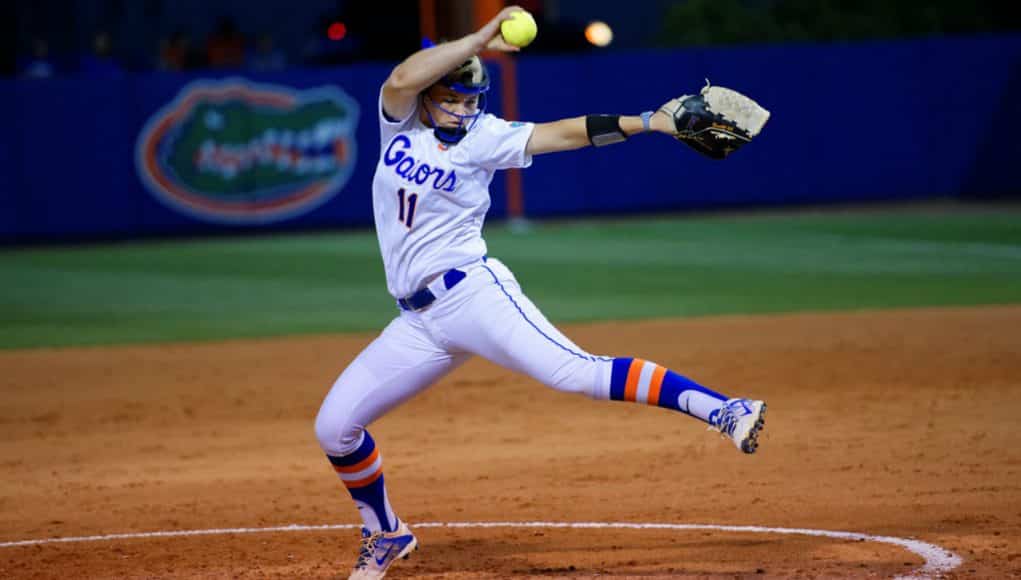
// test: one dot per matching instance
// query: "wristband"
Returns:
(646, 118)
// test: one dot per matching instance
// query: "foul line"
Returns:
(938, 560)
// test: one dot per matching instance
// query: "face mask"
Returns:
(453, 135)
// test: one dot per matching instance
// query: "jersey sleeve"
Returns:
(501, 144)
(388, 126)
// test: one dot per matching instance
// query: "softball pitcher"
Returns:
(438, 154)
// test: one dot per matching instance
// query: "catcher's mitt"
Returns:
(717, 121)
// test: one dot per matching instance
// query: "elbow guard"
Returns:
(604, 129)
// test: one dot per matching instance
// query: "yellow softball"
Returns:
(520, 29)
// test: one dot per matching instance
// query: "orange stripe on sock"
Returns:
(367, 481)
(656, 384)
(364, 463)
(631, 386)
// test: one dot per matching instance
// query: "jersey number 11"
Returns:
(406, 217)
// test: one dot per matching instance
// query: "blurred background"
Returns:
(130, 120)
(149, 117)
(174, 35)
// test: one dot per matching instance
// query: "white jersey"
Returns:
(430, 200)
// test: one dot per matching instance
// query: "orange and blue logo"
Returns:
(234, 151)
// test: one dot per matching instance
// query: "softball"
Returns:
(520, 29)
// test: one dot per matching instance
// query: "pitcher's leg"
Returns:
(506, 327)
(401, 362)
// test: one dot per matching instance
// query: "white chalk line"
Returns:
(938, 560)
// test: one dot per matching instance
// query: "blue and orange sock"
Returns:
(362, 474)
(640, 381)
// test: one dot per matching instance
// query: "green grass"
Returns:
(575, 271)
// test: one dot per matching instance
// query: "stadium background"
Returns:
(859, 266)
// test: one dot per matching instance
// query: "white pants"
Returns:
(485, 314)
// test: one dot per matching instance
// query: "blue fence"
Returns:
(867, 121)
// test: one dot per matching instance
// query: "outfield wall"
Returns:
(866, 121)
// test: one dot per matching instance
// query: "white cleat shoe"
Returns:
(741, 420)
(379, 550)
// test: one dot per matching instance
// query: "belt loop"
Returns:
(452, 277)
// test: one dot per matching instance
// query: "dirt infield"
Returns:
(899, 423)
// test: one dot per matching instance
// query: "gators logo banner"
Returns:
(233, 151)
